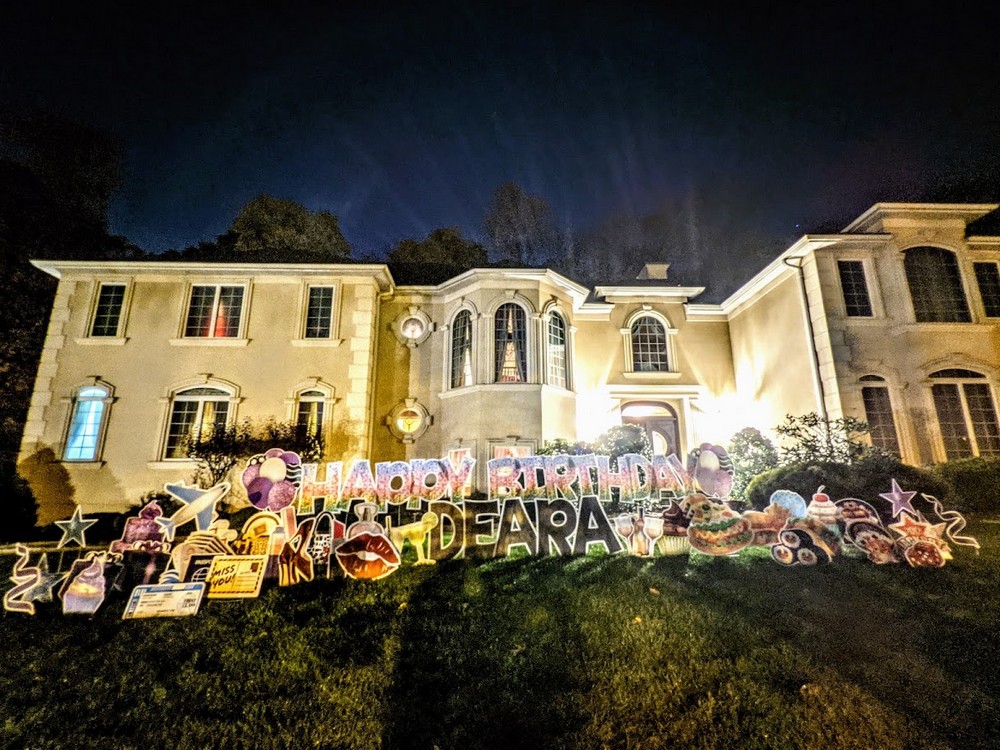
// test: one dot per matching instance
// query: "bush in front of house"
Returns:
(19, 508)
(865, 479)
(974, 484)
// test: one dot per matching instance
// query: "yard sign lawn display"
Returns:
(351, 523)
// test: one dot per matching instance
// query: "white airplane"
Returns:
(199, 506)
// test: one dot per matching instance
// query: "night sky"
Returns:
(403, 118)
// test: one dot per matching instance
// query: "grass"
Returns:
(595, 652)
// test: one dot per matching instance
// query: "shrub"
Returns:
(20, 510)
(974, 483)
(751, 454)
(865, 480)
(622, 439)
(810, 438)
(562, 446)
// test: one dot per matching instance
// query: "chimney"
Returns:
(656, 271)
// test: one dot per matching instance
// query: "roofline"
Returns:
(968, 211)
(524, 273)
(378, 271)
(670, 292)
(806, 244)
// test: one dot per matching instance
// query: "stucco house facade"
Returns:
(893, 320)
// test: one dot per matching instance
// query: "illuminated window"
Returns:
(510, 344)
(319, 312)
(310, 413)
(557, 362)
(649, 345)
(86, 425)
(966, 413)
(108, 311)
(935, 286)
(214, 312)
(194, 413)
(878, 414)
(461, 350)
(852, 280)
(988, 279)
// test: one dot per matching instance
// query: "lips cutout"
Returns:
(368, 556)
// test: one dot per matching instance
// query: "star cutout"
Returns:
(900, 500)
(911, 527)
(74, 530)
(46, 581)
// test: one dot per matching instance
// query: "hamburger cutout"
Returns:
(716, 529)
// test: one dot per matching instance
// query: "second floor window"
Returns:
(108, 312)
(214, 312)
(461, 350)
(988, 279)
(511, 346)
(649, 345)
(319, 313)
(857, 303)
(935, 286)
(557, 364)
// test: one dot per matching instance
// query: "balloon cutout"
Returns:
(272, 479)
(712, 470)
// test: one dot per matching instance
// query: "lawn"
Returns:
(594, 652)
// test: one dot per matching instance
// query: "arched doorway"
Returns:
(659, 420)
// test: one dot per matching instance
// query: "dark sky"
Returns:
(403, 118)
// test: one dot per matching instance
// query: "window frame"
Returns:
(524, 357)
(670, 349)
(959, 378)
(73, 403)
(240, 337)
(327, 399)
(228, 394)
(976, 265)
(872, 383)
(307, 308)
(865, 282)
(566, 375)
(450, 371)
(962, 283)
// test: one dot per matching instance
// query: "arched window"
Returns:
(86, 425)
(510, 364)
(935, 286)
(966, 413)
(558, 363)
(195, 412)
(461, 350)
(878, 414)
(310, 412)
(649, 345)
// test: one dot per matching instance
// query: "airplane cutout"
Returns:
(199, 506)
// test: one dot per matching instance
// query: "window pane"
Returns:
(227, 317)
(557, 351)
(852, 281)
(935, 286)
(951, 420)
(984, 418)
(878, 414)
(200, 311)
(511, 364)
(988, 279)
(319, 316)
(649, 346)
(214, 312)
(85, 429)
(461, 350)
(182, 420)
(310, 417)
(109, 309)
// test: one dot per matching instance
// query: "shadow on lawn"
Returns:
(908, 638)
(487, 658)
